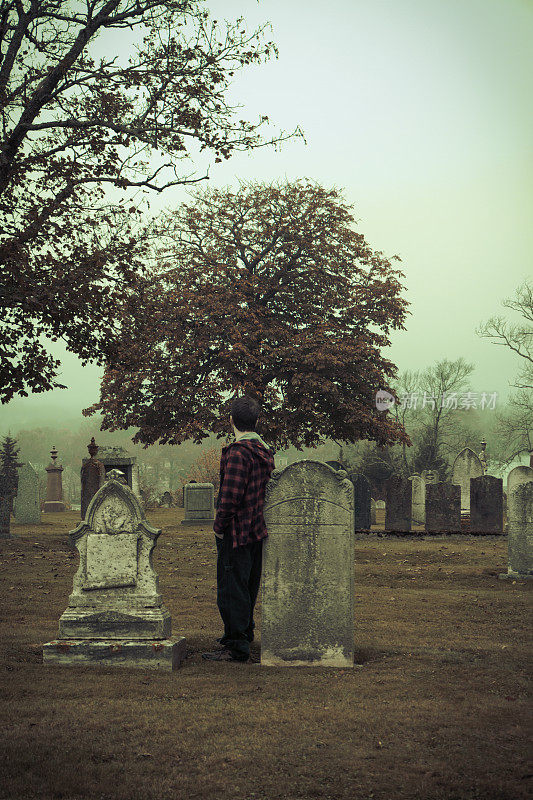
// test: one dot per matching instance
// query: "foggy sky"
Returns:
(421, 110)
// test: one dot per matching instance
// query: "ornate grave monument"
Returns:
(115, 614)
(92, 477)
(199, 502)
(54, 485)
(308, 568)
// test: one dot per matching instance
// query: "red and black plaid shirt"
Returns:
(245, 469)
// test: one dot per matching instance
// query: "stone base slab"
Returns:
(197, 521)
(333, 658)
(515, 576)
(90, 623)
(54, 506)
(164, 654)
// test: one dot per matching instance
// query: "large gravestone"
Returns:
(115, 614)
(361, 498)
(517, 477)
(486, 504)
(27, 502)
(443, 508)
(308, 568)
(418, 499)
(199, 502)
(466, 465)
(520, 532)
(398, 504)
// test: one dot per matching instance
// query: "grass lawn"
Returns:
(435, 708)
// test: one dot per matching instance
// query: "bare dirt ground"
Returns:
(435, 708)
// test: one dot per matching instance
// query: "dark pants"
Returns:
(238, 580)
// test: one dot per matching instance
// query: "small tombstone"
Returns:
(361, 498)
(199, 502)
(443, 508)
(418, 500)
(308, 568)
(372, 511)
(54, 485)
(115, 614)
(517, 477)
(92, 477)
(398, 504)
(486, 504)
(466, 465)
(166, 500)
(520, 532)
(27, 502)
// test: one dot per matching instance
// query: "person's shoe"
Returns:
(225, 655)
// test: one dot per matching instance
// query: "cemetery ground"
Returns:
(435, 708)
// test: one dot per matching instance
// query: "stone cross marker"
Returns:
(486, 504)
(115, 614)
(398, 504)
(466, 465)
(308, 568)
(520, 532)
(361, 497)
(27, 502)
(443, 508)
(198, 499)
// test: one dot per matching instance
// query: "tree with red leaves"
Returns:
(267, 290)
(80, 134)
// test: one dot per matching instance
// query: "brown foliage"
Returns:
(206, 468)
(74, 126)
(266, 290)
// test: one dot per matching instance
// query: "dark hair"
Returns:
(244, 412)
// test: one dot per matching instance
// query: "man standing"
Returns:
(245, 468)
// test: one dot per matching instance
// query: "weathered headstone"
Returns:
(115, 614)
(308, 568)
(54, 485)
(166, 500)
(361, 498)
(92, 477)
(466, 465)
(418, 500)
(6, 497)
(520, 532)
(372, 511)
(199, 502)
(486, 504)
(517, 477)
(27, 501)
(443, 508)
(398, 504)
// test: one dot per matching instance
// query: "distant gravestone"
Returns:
(27, 502)
(6, 497)
(380, 505)
(466, 465)
(486, 504)
(443, 508)
(372, 511)
(199, 502)
(361, 498)
(166, 500)
(336, 465)
(520, 532)
(398, 504)
(308, 568)
(115, 614)
(517, 477)
(54, 485)
(418, 500)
